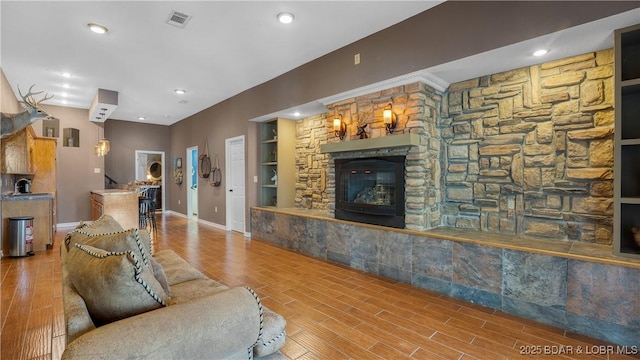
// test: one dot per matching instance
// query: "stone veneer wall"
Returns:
(527, 151)
(530, 151)
(417, 110)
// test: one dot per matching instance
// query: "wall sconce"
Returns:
(339, 127)
(389, 119)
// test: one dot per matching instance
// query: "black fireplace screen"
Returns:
(371, 190)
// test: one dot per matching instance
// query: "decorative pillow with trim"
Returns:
(114, 285)
(104, 225)
(123, 240)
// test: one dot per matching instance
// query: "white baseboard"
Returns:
(200, 221)
(67, 225)
(212, 224)
(175, 213)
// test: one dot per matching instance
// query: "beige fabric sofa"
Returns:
(204, 319)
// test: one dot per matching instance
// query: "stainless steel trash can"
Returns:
(21, 236)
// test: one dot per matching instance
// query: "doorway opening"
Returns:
(192, 183)
(150, 172)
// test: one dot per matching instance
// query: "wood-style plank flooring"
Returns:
(332, 312)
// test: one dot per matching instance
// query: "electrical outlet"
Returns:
(356, 59)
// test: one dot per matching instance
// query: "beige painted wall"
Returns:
(75, 172)
(8, 102)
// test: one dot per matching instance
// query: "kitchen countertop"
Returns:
(113, 192)
(27, 196)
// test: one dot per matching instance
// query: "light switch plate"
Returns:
(96, 170)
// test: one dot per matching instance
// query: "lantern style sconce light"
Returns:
(389, 119)
(339, 127)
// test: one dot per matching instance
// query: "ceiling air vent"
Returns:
(178, 19)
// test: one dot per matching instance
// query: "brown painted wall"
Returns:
(126, 137)
(212, 125)
(447, 32)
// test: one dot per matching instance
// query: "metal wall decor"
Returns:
(216, 179)
(204, 162)
(177, 173)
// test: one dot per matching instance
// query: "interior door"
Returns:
(192, 183)
(235, 164)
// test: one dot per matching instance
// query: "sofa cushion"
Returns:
(176, 268)
(160, 275)
(114, 285)
(187, 291)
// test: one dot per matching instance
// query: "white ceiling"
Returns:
(226, 48)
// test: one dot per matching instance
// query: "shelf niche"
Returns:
(277, 158)
(627, 142)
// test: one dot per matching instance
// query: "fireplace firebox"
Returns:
(371, 190)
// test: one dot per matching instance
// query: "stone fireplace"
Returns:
(371, 190)
(416, 140)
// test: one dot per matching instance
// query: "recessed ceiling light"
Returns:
(66, 74)
(179, 91)
(540, 52)
(64, 94)
(66, 86)
(141, 117)
(64, 101)
(285, 17)
(97, 28)
(297, 113)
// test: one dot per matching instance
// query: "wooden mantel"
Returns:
(384, 142)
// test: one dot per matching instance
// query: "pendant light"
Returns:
(102, 147)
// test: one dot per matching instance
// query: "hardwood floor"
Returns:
(332, 312)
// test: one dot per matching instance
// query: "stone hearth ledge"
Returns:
(561, 248)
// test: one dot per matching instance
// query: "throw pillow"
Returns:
(116, 241)
(114, 285)
(105, 224)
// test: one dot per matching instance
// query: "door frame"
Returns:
(190, 184)
(227, 169)
(164, 167)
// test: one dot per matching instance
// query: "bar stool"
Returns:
(147, 214)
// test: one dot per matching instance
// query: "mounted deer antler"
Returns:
(12, 123)
(362, 133)
(30, 100)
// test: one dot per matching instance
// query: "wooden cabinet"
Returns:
(17, 152)
(277, 163)
(627, 141)
(44, 165)
(41, 208)
(122, 205)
